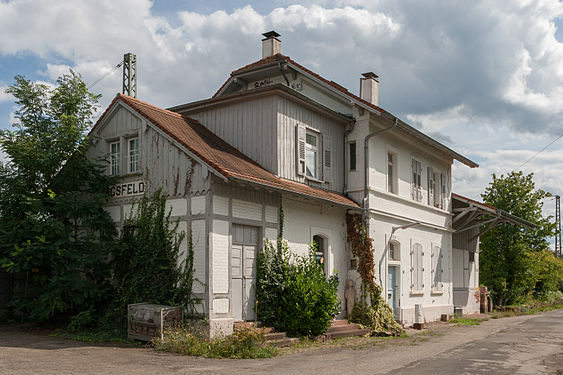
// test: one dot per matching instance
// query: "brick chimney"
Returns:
(270, 44)
(369, 87)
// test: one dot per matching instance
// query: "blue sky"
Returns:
(484, 77)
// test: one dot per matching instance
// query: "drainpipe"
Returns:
(366, 164)
(384, 256)
(347, 131)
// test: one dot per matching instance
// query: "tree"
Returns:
(506, 250)
(53, 228)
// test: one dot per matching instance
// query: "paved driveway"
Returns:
(520, 345)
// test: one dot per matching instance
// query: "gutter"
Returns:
(366, 164)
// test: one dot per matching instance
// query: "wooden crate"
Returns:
(147, 321)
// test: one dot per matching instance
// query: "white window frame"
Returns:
(395, 254)
(115, 158)
(133, 156)
(309, 148)
(416, 175)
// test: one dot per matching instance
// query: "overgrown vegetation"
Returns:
(464, 321)
(243, 343)
(54, 233)
(515, 263)
(377, 314)
(293, 293)
(146, 260)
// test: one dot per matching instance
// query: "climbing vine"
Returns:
(378, 315)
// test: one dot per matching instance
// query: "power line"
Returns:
(105, 75)
(539, 152)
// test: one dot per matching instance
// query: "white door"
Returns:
(243, 271)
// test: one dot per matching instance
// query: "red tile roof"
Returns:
(218, 154)
(282, 58)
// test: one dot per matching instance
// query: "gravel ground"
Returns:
(529, 344)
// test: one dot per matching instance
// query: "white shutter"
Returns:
(431, 186)
(327, 159)
(443, 191)
(300, 151)
(413, 174)
(420, 268)
(412, 266)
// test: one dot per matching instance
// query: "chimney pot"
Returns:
(271, 45)
(369, 87)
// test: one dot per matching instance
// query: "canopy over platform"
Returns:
(473, 219)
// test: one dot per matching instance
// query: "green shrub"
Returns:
(243, 343)
(294, 295)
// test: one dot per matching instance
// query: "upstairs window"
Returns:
(312, 155)
(394, 250)
(431, 187)
(416, 180)
(392, 173)
(443, 191)
(352, 149)
(133, 155)
(115, 157)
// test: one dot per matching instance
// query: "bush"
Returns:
(243, 343)
(293, 292)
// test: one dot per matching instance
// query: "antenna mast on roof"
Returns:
(130, 74)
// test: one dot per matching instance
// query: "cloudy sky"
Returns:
(483, 77)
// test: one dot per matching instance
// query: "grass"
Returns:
(461, 321)
(93, 335)
(243, 343)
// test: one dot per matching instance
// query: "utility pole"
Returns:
(130, 74)
(558, 228)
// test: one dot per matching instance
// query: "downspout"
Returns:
(347, 131)
(366, 165)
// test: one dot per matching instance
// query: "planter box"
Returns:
(147, 321)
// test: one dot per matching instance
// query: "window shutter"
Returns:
(431, 186)
(420, 269)
(327, 159)
(412, 266)
(301, 134)
(443, 191)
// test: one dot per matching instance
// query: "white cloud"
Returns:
(484, 77)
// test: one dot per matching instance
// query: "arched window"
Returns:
(320, 252)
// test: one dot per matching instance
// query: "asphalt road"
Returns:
(519, 345)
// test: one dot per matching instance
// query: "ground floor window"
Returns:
(320, 250)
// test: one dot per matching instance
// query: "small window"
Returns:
(392, 173)
(312, 155)
(393, 250)
(115, 157)
(320, 253)
(416, 180)
(352, 148)
(133, 155)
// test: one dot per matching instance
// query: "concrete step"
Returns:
(341, 327)
(347, 333)
(339, 322)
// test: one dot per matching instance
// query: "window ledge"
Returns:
(315, 180)
(437, 292)
(394, 262)
(416, 293)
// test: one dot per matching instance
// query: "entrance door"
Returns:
(392, 288)
(243, 271)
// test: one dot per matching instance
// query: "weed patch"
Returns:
(461, 321)
(243, 343)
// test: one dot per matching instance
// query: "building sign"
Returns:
(127, 189)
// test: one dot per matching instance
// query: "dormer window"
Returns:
(115, 158)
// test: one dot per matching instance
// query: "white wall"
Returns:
(303, 220)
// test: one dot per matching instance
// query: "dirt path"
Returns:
(524, 344)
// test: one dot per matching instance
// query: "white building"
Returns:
(278, 135)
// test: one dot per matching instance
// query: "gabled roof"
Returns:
(279, 58)
(218, 154)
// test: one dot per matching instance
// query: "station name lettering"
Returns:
(127, 189)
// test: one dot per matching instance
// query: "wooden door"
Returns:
(243, 271)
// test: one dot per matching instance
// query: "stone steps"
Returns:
(278, 339)
(341, 328)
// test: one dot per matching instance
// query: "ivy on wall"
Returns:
(378, 315)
